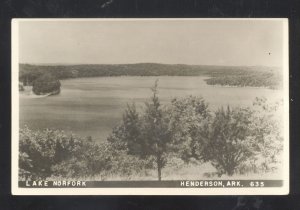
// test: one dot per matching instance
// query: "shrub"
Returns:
(51, 154)
(47, 153)
(41, 150)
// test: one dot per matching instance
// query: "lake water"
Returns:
(93, 106)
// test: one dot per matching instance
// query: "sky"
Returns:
(196, 42)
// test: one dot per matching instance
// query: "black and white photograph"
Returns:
(150, 106)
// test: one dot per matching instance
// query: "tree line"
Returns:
(233, 139)
(221, 75)
(259, 79)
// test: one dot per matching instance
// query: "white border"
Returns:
(143, 191)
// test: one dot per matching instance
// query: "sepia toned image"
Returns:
(150, 106)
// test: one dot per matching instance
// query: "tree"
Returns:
(46, 84)
(189, 121)
(48, 153)
(146, 135)
(266, 124)
(127, 136)
(90, 159)
(156, 132)
(230, 142)
(41, 150)
(131, 123)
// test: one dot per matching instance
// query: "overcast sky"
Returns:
(204, 42)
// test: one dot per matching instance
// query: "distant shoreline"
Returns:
(148, 63)
(257, 76)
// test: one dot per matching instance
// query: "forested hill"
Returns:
(220, 75)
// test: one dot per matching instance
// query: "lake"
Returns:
(93, 106)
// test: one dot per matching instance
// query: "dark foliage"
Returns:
(189, 121)
(253, 79)
(53, 153)
(46, 84)
(39, 151)
(156, 132)
(221, 75)
(229, 142)
(146, 136)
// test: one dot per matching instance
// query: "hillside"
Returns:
(256, 76)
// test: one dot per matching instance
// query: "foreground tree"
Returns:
(147, 136)
(40, 150)
(156, 133)
(49, 153)
(230, 140)
(189, 121)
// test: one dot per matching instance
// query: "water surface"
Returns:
(93, 106)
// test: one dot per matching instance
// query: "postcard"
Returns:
(150, 106)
